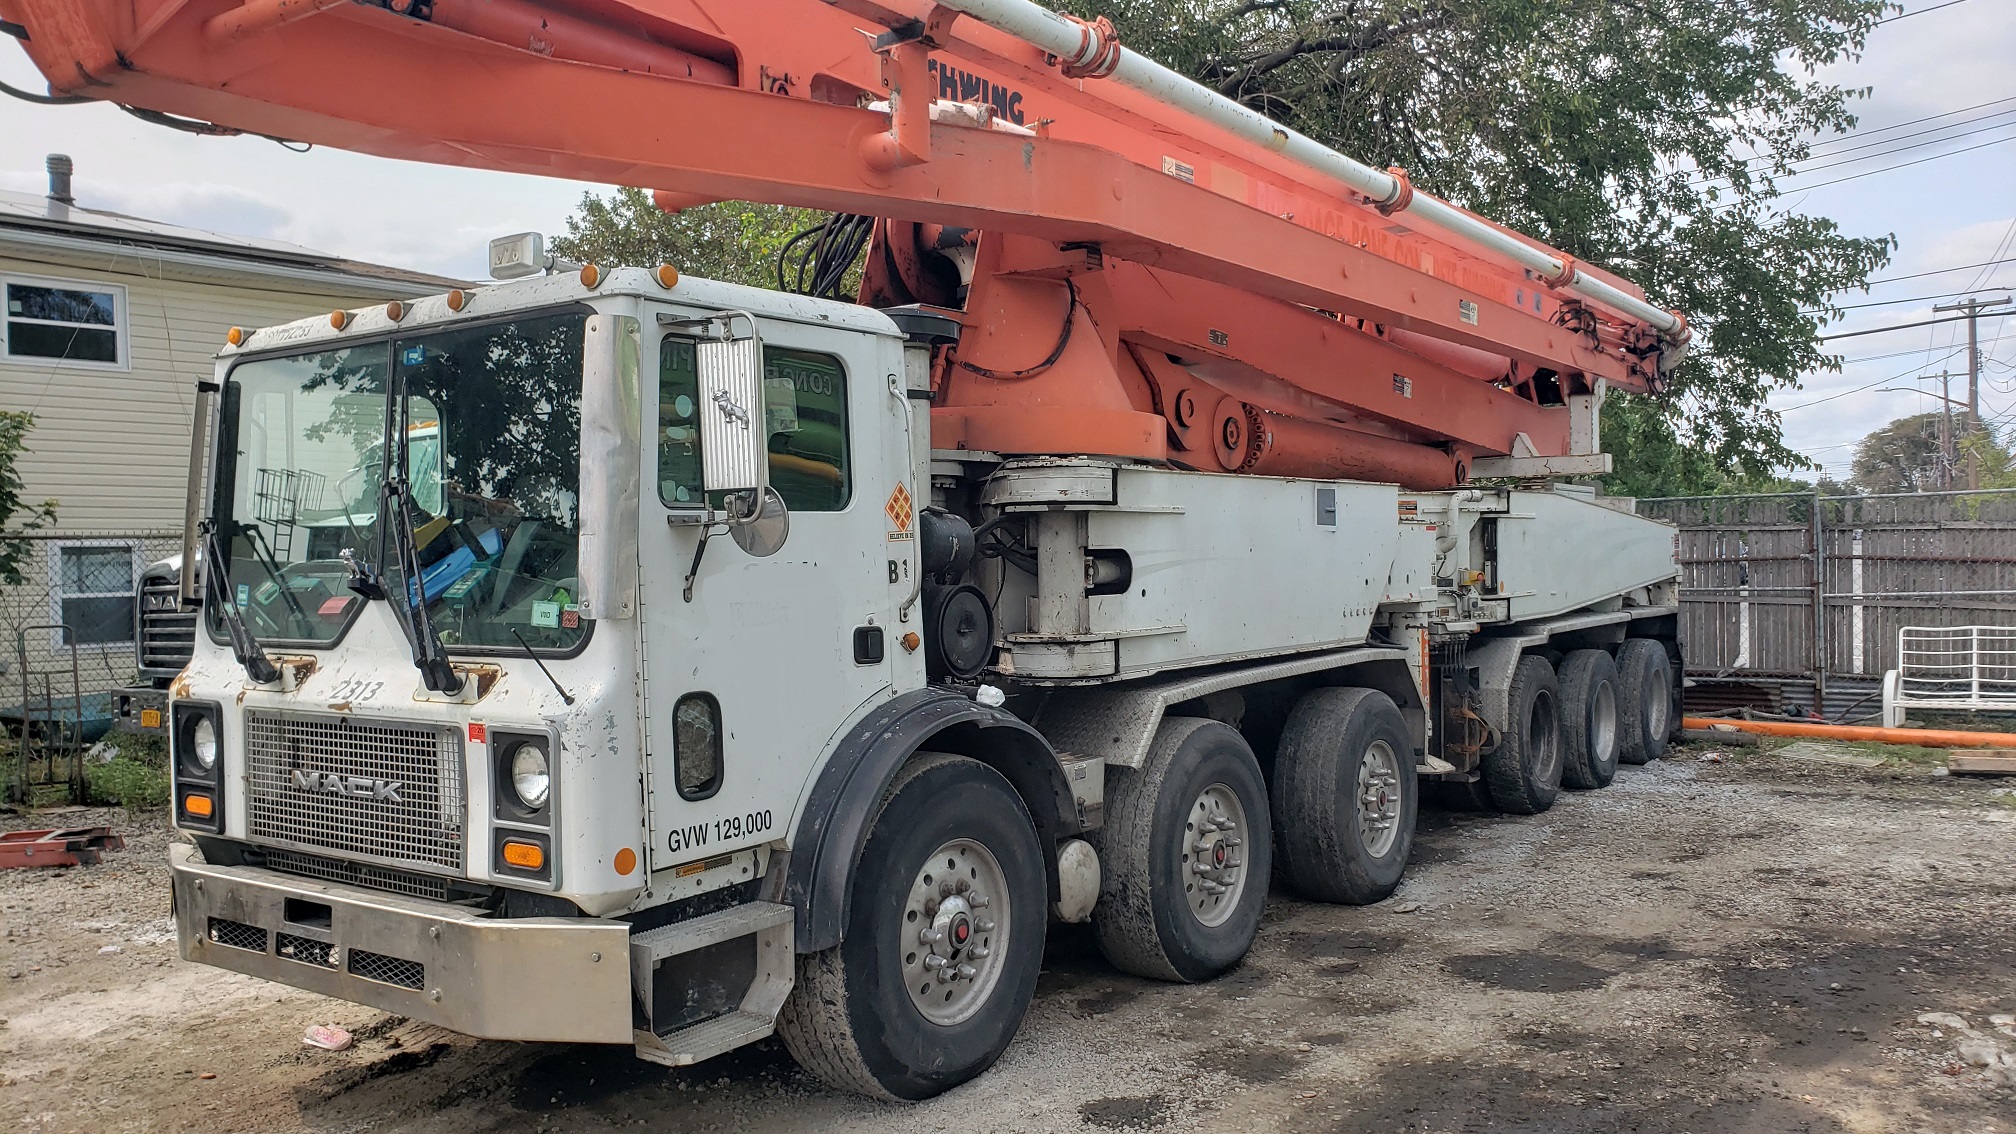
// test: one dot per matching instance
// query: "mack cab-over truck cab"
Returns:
(678, 693)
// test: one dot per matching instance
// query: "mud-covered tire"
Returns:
(1524, 772)
(1644, 701)
(1145, 921)
(1344, 767)
(851, 1020)
(1589, 720)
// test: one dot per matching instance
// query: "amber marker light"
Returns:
(911, 641)
(590, 275)
(198, 805)
(395, 311)
(339, 319)
(626, 861)
(235, 336)
(524, 856)
(667, 276)
(457, 300)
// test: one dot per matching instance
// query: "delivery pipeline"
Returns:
(1921, 737)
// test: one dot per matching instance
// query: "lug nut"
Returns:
(944, 889)
(978, 900)
(985, 925)
(930, 936)
(968, 972)
(1201, 867)
(934, 961)
(978, 952)
(963, 885)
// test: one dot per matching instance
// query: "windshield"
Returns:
(488, 419)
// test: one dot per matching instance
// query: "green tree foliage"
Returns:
(16, 514)
(1904, 456)
(737, 241)
(1616, 130)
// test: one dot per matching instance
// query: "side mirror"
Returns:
(734, 441)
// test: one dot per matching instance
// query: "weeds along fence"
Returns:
(67, 640)
(1798, 598)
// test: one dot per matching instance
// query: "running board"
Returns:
(712, 984)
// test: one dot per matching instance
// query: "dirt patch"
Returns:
(1124, 1114)
(1521, 972)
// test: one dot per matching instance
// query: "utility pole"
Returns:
(1973, 308)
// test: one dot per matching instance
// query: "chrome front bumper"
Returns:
(546, 978)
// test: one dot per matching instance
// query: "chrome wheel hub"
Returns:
(1379, 798)
(955, 920)
(1212, 854)
(1603, 725)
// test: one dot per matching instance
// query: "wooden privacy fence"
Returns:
(1806, 589)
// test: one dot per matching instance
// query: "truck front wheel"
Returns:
(1184, 853)
(943, 942)
(1345, 796)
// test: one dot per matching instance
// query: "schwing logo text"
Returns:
(955, 85)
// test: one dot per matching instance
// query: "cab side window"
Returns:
(805, 413)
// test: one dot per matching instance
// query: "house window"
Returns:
(67, 322)
(92, 592)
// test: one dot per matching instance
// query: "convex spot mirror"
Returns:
(762, 533)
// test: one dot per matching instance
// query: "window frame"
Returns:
(700, 506)
(121, 324)
(136, 554)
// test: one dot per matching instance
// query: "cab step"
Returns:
(711, 984)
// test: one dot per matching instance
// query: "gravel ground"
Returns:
(1728, 940)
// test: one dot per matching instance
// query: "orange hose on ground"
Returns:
(1922, 737)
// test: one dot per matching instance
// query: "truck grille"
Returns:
(361, 874)
(387, 792)
(167, 634)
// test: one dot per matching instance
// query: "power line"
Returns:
(1893, 142)
(1903, 165)
(1908, 326)
(1806, 169)
(1886, 302)
(1877, 382)
(1863, 133)
(1914, 12)
(1939, 272)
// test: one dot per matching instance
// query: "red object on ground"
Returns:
(62, 846)
(1922, 737)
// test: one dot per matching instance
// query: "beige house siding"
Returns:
(111, 446)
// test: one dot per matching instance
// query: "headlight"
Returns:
(203, 743)
(529, 776)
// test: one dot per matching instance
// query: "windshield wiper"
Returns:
(430, 657)
(244, 646)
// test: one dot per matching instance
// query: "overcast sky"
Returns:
(1951, 210)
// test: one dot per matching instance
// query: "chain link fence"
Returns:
(67, 642)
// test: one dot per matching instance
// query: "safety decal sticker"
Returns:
(898, 510)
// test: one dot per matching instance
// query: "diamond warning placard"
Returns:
(899, 511)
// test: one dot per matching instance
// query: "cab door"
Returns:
(749, 680)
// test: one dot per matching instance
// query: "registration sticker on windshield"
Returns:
(244, 594)
(413, 356)
(546, 614)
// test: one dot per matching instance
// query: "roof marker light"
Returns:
(339, 319)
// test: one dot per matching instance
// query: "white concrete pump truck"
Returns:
(834, 774)
(615, 657)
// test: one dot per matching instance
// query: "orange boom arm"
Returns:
(1207, 298)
